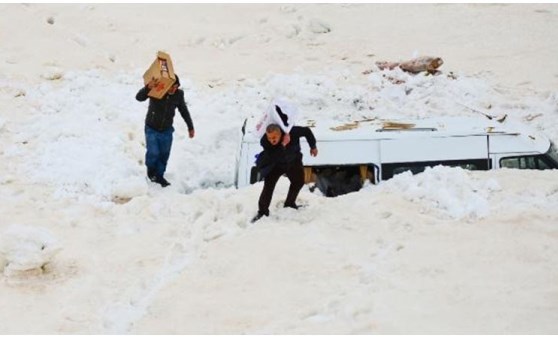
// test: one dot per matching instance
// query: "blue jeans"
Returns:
(158, 144)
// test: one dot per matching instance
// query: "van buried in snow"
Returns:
(375, 150)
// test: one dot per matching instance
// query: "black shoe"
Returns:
(293, 205)
(259, 215)
(163, 182)
(160, 180)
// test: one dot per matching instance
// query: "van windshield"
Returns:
(553, 152)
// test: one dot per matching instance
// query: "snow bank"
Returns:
(88, 129)
(453, 192)
(26, 248)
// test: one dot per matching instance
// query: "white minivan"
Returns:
(376, 150)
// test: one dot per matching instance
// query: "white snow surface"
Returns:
(447, 251)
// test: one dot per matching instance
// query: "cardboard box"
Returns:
(162, 71)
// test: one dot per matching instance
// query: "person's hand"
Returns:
(152, 83)
(191, 133)
(286, 139)
(314, 152)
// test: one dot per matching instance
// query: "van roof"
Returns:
(374, 128)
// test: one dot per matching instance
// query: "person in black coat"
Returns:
(159, 129)
(279, 158)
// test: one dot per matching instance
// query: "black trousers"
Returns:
(295, 174)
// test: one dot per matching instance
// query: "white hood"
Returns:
(272, 116)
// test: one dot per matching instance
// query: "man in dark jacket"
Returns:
(277, 159)
(159, 129)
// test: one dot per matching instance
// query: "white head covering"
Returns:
(288, 119)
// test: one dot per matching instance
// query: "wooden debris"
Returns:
(428, 64)
(353, 125)
(397, 125)
(346, 126)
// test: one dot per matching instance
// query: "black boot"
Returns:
(259, 215)
(151, 174)
(290, 205)
(164, 182)
(161, 180)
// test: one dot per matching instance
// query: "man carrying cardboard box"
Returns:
(162, 72)
(159, 129)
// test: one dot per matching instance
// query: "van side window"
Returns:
(414, 169)
(391, 169)
(526, 162)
